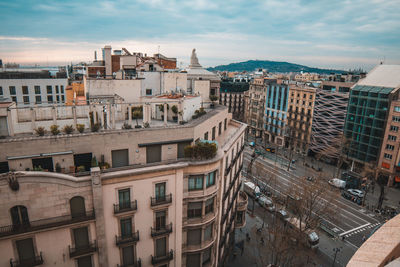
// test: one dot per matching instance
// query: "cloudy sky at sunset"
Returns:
(329, 34)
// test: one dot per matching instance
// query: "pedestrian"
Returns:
(364, 238)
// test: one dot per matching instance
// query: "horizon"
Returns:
(333, 35)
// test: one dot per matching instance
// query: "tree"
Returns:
(136, 115)
(290, 136)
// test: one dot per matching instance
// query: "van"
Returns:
(266, 203)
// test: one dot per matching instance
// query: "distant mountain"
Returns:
(271, 66)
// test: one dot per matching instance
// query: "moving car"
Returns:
(282, 214)
(337, 183)
(356, 192)
(251, 189)
(266, 203)
(270, 149)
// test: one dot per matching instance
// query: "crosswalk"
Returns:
(362, 229)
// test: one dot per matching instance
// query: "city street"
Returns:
(352, 223)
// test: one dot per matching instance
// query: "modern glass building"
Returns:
(365, 121)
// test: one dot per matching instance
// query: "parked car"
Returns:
(266, 203)
(282, 214)
(270, 149)
(337, 183)
(310, 179)
(356, 192)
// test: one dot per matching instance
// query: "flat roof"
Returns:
(383, 75)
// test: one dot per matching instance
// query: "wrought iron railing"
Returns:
(161, 200)
(35, 261)
(125, 239)
(75, 251)
(125, 206)
(161, 230)
(158, 259)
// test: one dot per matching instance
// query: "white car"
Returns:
(356, 192)
(266, 203)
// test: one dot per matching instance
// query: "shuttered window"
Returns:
(194, 209)
(25, 249)
(120, 158)
(81, 237)
(161, 247)
(194, 237)
(128, 256)
(153, 153)
(193, 260)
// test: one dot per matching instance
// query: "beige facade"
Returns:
(255, 107)
(151, 207)
(300, 116)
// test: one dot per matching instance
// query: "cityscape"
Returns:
(259, 133)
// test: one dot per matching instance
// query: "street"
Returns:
(352, 223)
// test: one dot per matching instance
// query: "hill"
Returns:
(271, 66)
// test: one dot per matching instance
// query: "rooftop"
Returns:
(383, 75)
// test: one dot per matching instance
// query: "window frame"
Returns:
(196, 183)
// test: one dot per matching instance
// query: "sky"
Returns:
(318, 33)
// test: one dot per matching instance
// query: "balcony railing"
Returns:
(158, 259)
(161, 200)
(138, 263)
(162, 230)
(45, 223)
(35, 261)
(124, 207)
(83, 249)
(125, 239)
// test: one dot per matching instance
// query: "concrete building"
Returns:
(368, 115)
(75, 94)
(306, 77)
(255, 107)
(300, 117)
(232, 95)
(152, 207)
(29, 87)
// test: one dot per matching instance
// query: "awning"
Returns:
(40, 155)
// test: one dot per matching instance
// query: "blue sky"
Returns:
(333, 34)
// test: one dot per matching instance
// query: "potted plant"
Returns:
(68, 129)
(95, 127)
(174, 109)
(94, 162)
(136, 115)
(80, 127)
(40, 131)
(213, 98)
(54, 129)
(126, 126)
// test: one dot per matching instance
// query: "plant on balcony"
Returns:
(68, 129)
(146, 125)
(80, 127)
(174, 109)
(104, 165)
(40, 131)
(137, 115)
(38, 169)
(201, 151)
(95, 127)
(81, 168)
(198, 113)
(94, 162)
(54, 129)
(58, 167)
(126, 126)
(213, 98)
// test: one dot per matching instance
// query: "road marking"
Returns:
(353, 230)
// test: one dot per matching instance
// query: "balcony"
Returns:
(125, 207)
(138, 263)
(82, 250)
(162, 230)
(126, 239)
(161, 200)
(37, 260)
(242, 201)
(159, 259)
(45, 224)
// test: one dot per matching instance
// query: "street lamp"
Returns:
(336, 250)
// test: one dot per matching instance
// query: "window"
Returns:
(160, 192)
(206, 136)
(26, 99)
(128, 258)
(81, 237)
(396, 118)
(207, 256)
(124, 198)
(1, 90)
(160, 219)
(50, 99)
(304, 102)
(213, 133)
(210, 178)
(19, 215)
(310, 97)
(148, 92)
(387, 156)
(14, 99)
(62, 98)
(397, 108)
(196, 183)
(85, 261)
(194, 237)
(194, 209)
(209, 205)
(208, 232)
(225, 122)
(38, 99)
(394, 128)
(161, 247)
(57, 99)
(25, 90)
(77, 206)
(62, 89)
(392, 137)
(26, 250)
(49, 89)
(193, 260)
(126, 227)
(57, 91)
(37, 89)
(12, 90)
(304, 96)
(220, 128)
(153, 153)
(389, 147)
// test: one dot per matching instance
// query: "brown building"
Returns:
(75, 94)
(299, 119)
(255, 107)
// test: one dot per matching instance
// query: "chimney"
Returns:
(107, 60)
(95, 55)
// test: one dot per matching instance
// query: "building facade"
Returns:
(232, 96)
(255, 107)
(152, 207)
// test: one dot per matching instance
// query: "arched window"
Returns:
(19, 215)
(77, 205)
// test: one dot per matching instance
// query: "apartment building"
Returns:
(368, 123)
(152, 207)
(29, 87)
(255, 107)
(299, 118)
(232, 96)
(75, 94)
